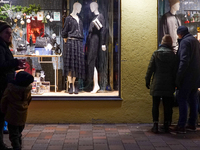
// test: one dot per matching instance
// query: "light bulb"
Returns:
(48, 16)
(51, 19)
(18, 17)
(22, 22)
(28, 20)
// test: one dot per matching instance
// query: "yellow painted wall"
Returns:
(138, 41)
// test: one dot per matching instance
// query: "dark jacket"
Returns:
(8, 65)
(15, 103)
(162, 71)
(188, 73)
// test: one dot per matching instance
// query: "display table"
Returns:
(40, 60)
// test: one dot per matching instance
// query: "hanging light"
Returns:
(51, 19)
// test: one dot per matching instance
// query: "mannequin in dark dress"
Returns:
(96, 42)
(73, 58)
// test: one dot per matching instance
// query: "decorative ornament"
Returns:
(28, 20)
(22, 22)
(18, 17)
(44, 20)
(28, 17)
(15, 20)
(48, 16)
(51, 19)
(32, 18)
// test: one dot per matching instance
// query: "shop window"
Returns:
(58, 65)
(174, 13)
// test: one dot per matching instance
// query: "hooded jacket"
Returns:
(15, 103)
(188, 74)
(161, 72)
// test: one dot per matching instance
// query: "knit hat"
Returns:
(182, 30)
(167, 40)
(3, 25)
(172, 2)
(24, 79)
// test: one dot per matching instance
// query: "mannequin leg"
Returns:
(69, 78)
(73, 81)
(96, 85)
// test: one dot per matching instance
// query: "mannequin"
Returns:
(96, 41)
(170, 23)
(72, 34)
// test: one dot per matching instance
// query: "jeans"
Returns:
(168, 105)
(15, 135)
(187, 97)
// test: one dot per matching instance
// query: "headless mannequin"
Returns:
(76, 9)
(94, 9)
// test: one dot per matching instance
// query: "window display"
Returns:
(71, 47)
(174, 13)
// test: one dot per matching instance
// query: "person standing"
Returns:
(72, 33)
(160, 78)
(8, 65)
(14, 104)
(187, 80)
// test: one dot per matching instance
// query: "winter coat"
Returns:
(162, 71)
(188, 74)
(8, 65)
(14, 104)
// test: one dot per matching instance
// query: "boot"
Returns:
(76, 87)
(154, 129)
(71, 89)
(166, 127)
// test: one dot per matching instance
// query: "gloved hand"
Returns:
(148, 85)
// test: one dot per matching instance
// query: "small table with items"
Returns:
(40, 60)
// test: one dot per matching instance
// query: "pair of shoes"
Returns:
(191, 128)
(154, 129)
(178, 130)
(5, 147)
(164, 129)
(5, 132)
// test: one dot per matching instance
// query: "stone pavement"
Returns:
(103, 137)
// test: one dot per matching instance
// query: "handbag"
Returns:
(41, 42)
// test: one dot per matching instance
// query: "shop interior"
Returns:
(37, 26)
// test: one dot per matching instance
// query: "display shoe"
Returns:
(154, 129)
(76, 87)
(71, 89)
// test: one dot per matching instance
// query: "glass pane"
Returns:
(87, 63)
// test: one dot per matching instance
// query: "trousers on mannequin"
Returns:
(95, 80)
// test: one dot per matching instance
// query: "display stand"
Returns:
(40, 60)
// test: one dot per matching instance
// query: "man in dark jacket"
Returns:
(187, 79)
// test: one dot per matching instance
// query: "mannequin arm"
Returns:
(103, 47)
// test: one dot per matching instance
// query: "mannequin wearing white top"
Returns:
(94, 9)
(76, 9)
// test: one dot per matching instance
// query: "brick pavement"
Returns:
(103, 137)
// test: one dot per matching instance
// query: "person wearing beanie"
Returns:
(187, 80)
(14, 105)
(8, 65)
(160, 79)
(169, 23)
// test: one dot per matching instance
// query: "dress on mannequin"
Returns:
(170, 22)
(96, 42)
(73, 55)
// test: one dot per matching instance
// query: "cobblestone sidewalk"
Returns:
(103, 137)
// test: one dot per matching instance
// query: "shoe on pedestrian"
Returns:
(5, 147)
(5, 132)
(178, 130)
(154, 129)
(191, 128)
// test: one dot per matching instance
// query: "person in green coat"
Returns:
(160, 79)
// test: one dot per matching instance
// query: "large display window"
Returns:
(174, 13)
(72, 48)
